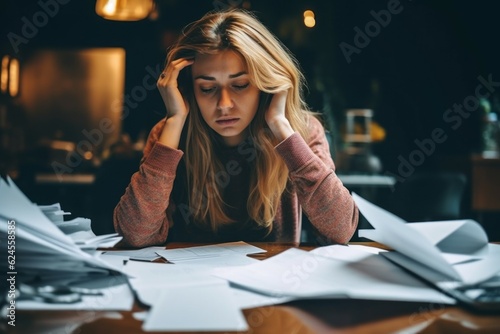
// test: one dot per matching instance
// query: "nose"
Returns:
(225, 103)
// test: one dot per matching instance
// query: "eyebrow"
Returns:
(231, 76)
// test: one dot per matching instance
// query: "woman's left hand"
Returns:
(275, 116)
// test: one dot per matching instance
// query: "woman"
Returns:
(238, 155)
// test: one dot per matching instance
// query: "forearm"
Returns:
(140, 216)
(171, 134)
(326, 202)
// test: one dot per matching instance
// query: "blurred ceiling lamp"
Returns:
(124, 10)
(309, 20)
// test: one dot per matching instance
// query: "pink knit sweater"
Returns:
(154, 208)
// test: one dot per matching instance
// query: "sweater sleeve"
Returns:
(324, 199)
(141, 214)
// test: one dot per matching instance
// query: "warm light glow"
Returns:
(88, 155)
(308, 13)
(109, 8)
(124, 10)
(309, 21)
(4, 76)
(14, 77)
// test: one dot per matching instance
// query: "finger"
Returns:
(172, 70)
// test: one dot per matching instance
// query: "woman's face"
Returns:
(226, 98)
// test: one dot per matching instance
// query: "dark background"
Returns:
(427, 59)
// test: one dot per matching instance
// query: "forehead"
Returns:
(222, 63)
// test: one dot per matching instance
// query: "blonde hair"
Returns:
(272, 69)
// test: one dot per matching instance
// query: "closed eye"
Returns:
(241, 87)
(207, 90)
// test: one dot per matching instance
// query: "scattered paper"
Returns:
(210, 251)
(431, 244)
(349, 274)
(199, 308)
(143, 254)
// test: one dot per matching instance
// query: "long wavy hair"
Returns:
(271, 68)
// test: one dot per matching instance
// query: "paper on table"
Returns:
(91, 240)
(471, 272)
(74, 225)
(143, 254)
(392, 231)
(350, 253)
(116, 261)
(192, 253)
(35, 228)
(300, 274)
(15, 205)
(148, 278)
(426, 243)
(464, 237)
(200, 308)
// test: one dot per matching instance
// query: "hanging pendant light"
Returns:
(124, 10)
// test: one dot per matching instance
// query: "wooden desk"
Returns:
(314, 316)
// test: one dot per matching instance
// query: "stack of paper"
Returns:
(79, 229)
(39, 251)
(454, 250)
(331, 272)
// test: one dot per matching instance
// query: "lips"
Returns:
(227, 121)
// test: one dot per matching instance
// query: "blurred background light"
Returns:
(309, 20)
(124, 10)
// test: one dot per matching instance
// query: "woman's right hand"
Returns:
(177, 106)
(167, 84)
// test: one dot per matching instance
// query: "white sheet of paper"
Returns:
(246, 299)
(464, 236)
(348, 253)
(50, 207)
(33, 226)
(472, 272)
(224, 249)
(196, 308)
(15, 205)
(300, 274)
(393, 232)
(426, 243)
(143, 254)
(75, 225)
(148, 278)
(114, 260)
